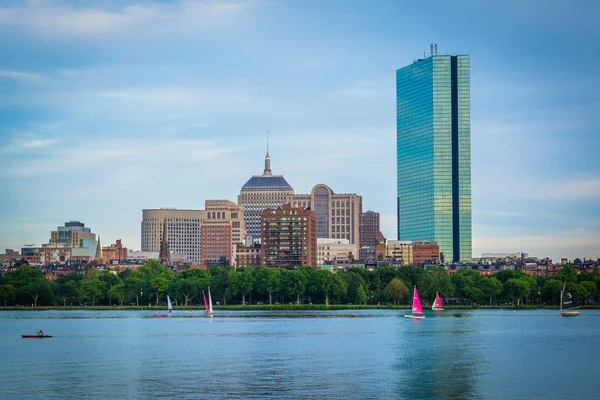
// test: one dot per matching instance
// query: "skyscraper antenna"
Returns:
(267, 142)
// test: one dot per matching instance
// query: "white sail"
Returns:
(169, 303)
(210, 309)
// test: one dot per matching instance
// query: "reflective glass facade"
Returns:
(434, 154)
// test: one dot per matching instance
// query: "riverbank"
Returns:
(286, 307)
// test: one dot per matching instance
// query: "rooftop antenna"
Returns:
(436, 52)
(431, 49)
(267, 142)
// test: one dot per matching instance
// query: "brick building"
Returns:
(288, 237)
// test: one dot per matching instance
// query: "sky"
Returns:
(110, 107)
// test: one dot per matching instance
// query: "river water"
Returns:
(479, 354)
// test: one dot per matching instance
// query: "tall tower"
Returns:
(434, 153)
(260, 193)
(164, 254)
(99, 251)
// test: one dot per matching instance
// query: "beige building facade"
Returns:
(335, 249)
(399, 251)
(338, 215)
(223, 228)
(183, 231)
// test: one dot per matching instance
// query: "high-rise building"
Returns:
(260, 193)
(183, 231)
(289, 237)
(434, 153)
(222, 230)
(72, 234)
(338, 215)
(369, 228)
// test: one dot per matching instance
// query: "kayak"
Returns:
(161, 315)
(35, 336)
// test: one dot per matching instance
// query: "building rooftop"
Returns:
(266, 182)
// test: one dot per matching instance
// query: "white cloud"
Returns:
(21, 75)
(140, 154)
(60, 19)
(559, 243)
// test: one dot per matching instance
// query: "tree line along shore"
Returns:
(263, 288)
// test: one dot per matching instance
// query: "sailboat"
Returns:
(210, 310)
(437, 303)
(417, 311)
(169, 306)
(208, 305)
(567, 305)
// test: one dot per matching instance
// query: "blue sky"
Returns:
(111, 107)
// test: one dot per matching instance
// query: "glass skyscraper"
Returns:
(434, 154)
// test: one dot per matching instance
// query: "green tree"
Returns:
(465, 283)
(93, 289)
(117, 292)
(245, 283)
(490, 286)
(38, 288)
(361, 296)
(7, 293)
(590, 288)
(220, 283)
(159, 284)
(93, 273)
(293, 283)
(435, 279)
(395, 291)
(551, 289)
(188, 287)
(268, 280)
(517, 288)
(68, 291)
(133, 287)
(567, 273)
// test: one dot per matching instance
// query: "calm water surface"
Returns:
(491, 354)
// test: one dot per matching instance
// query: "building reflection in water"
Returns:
(437, 360)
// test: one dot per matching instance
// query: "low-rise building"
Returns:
(248, 256)
(425, 253)
(330, 250)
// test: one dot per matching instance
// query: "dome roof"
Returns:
(266, 182)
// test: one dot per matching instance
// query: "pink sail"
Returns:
(438, 302)
(205, 302)
(416, 303)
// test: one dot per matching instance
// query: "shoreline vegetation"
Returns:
(305, 288)
(284, 307)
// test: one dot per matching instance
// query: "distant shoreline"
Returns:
(277, 307)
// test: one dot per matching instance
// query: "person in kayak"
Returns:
(40, 333)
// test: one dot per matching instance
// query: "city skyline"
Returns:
(108, 109)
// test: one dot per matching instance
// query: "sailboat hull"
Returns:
(437, 308)
(411, 316)
(572, 313)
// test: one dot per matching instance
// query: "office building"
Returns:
(369, 228)
(433, 153)
(289, 237)
(222, 230)
(72, 234)
(338, 215)
(261, 192)
(331, 250)
(183, 231)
